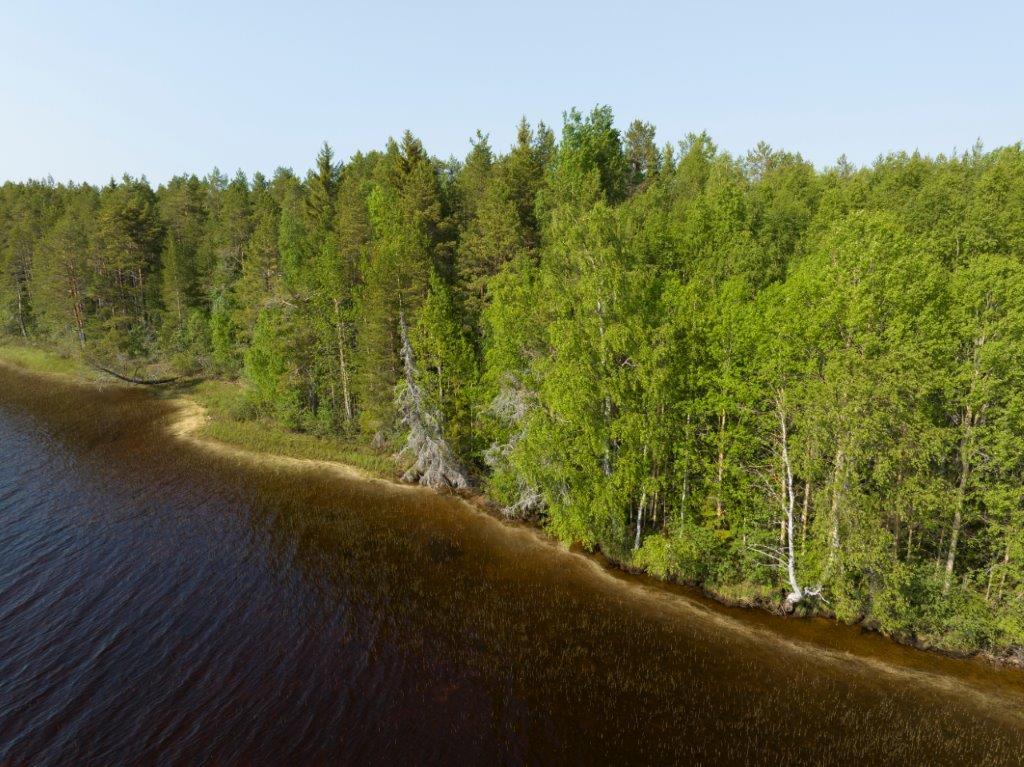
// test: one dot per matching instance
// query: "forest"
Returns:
(791, 386)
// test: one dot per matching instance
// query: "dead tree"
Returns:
(434, 462)
(133, 379)
(512, 405)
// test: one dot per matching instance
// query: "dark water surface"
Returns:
(164, 604)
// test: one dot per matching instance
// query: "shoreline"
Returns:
(190, 417)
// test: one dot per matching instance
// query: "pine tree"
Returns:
(643, 158)
(474, 175)
(322, 186)
(410, 227)
(125, 259)
(60, 273)
(259, 283)
(447, 363)
(494, 237)
(16, 269)
(275, 384)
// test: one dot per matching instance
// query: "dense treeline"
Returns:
(785, 384)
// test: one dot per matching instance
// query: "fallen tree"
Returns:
(132, 379)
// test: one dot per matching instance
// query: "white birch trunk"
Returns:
(639, 520)
(789, 502)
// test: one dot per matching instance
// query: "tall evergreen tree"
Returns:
(125, 284)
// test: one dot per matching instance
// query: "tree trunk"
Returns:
(346, 397)
(686, 476)
(606, 461)
(796, 593)
(803, 516)
(720, 473)
(1002, 575)
(965, 465)
(954, 536)
(133, 379)
(639, 520)
(837, 480)
(21, 313)
(76, 301)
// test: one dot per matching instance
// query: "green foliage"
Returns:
(60, 277)
(687, 554)
(589, 166)
(232, 421)
(447, 363)
(270, 372)
(409, 223)
(225, 352)
(775, 382)
(124, 266)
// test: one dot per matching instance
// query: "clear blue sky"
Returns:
(94, 89)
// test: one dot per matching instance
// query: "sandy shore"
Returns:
(187, 425)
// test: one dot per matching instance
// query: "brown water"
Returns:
(160, 603)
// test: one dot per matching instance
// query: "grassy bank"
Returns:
(41, 361)
(225, 406)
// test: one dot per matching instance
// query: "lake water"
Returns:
(164, 604)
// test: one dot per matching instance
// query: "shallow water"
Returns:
(162, 603)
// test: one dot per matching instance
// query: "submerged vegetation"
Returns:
(741, 372)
